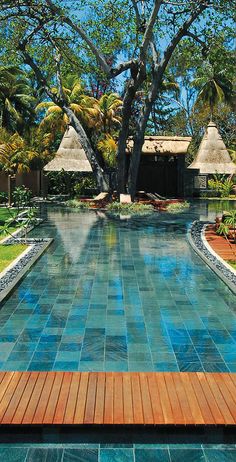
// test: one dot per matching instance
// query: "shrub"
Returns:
(22, 197)
(132, 208)
(177, 207)
(77, 204)
(221, 184)
(3, 198)
(84, 186)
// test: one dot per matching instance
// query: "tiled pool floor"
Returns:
(118, 453)
(120, 295)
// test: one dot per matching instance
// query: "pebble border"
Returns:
(17, 269)
(196, 237)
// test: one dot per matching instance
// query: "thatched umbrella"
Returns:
(212, 156)
(70, 156)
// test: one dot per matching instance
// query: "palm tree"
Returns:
(109, 106)
(16, 99)
(85, 107)
(108, 148)
(213, 88)
(15, 158)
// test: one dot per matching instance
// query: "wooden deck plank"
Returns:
(203, 404)
(230, 385)
(218, 416)
(118, 399)
(43, 400)
(226, 395)
(5, 383)
(10, 388)
(53, 398)
(81, 399)
(184, 404)
(222, 404)
(100, 399)
(63, 398)
(136, 391)
(91, 399)
(34, 399)
(128, 400)
(146, 401)
(193, 402)
(155, 399)
(165, 401)
(2, 375)
(174, 400)
(23, 403)
(15, 399)
(72, 399)
(108, 403)
(87, 398)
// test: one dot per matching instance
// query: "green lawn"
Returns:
(5, 215)
(232, 263)
(8, 253)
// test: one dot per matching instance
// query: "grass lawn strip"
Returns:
(232, 263)
(9, 253)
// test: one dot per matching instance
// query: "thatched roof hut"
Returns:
(163, 145)
(70, 155)
(212, 156)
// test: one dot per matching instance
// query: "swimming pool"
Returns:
(119, 294)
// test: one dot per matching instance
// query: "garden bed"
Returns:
(197, 240)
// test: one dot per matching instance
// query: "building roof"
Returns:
(70, 155)
(163, 145)
(212, 155)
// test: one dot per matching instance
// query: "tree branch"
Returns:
(149, 29)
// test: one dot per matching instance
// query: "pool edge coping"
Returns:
(216, 257)
(32, 243)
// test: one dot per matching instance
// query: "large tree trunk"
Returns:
(123, 135)
(137, 150)
(99, 173)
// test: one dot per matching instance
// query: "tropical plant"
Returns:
(222, 184)
(213, 88)
(74, 203)
(131, 208)
(16, 98)
(85, 184)
(14, 155)
(108, 148)
(177, 207)
(109, 106)
(227, 226)
(3, 197)
(22, 197)
(84, 107)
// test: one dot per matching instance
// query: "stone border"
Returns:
(196, 237)
(17, 269)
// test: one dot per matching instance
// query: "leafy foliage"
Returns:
(221, 184)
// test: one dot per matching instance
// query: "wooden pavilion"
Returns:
(162, 164)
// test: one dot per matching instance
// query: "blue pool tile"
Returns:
(40, 366)
(220, 455)
(190, 455)
(13, 454)
(152, 455)
(80, 455)
(116, 455)
(44, 455)
(66, 366)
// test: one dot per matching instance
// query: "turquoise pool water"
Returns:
(119, 294)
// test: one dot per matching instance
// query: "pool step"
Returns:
(117, 398)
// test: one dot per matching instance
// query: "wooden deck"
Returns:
(219, 244)
(89, 398)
